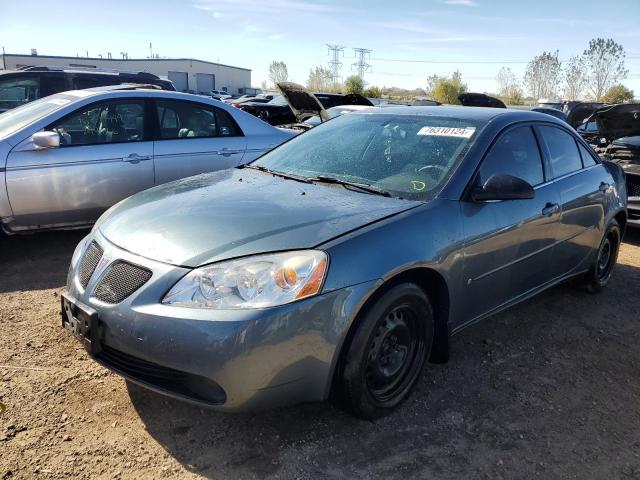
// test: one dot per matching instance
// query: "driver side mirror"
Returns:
(46, 139)
(503, 187)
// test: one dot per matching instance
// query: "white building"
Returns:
(187, 74)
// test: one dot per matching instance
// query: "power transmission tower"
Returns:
(362, 54)
(335, 64)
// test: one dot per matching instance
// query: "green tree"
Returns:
(354, 84)
(446, 90)
(320, 79)
(278, 72)
(605, 65)
(618, 94)
(542, 75)
(373, 92)
(508, 87)
(575, 78)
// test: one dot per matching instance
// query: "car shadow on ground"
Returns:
(37, 261)
(531, 391)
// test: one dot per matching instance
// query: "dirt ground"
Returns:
(549, 389)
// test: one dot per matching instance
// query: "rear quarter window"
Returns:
(564, 157)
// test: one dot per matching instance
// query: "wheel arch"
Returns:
(621, 218)
(436, 288)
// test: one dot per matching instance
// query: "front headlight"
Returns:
(252, 282)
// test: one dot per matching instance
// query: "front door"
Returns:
(509, 242)
(103, 157)
(194, 138)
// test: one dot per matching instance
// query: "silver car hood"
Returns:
(238, 212)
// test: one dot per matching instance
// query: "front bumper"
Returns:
(633, 199)
(225, 359)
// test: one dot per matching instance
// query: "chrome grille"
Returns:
(120, 281)
(633, 186)
(89, 263)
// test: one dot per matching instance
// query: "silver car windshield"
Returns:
(408, 156)
(13, 120)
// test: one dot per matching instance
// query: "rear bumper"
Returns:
(224, 359)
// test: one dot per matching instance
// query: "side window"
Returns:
(227, 127)
(16, 91)
(107, 122)
(180, 119)
(563, 151)
(587, 157)
(82, 82)
(515, 153)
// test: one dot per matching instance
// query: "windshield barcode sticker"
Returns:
(466, 132)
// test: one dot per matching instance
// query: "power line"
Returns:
(478, 62)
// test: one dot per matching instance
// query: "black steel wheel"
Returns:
(387, 352)
(600, 272)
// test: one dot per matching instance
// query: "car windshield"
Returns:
(409, 156)
(13, 120)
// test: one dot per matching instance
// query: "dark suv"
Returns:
(18, 87)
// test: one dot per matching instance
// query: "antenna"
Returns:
(335, 64)
(362, 54)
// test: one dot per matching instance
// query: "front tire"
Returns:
(388, 350)
(598, 276)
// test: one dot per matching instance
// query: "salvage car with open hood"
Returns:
(297, 104)
(616, 137)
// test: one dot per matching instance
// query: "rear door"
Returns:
(104, 156)
(510, 241)
(193, 138)
(582, 183)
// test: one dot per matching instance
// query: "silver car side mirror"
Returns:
(46, 139)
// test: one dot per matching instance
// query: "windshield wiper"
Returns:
(365, 187)
(290, 176)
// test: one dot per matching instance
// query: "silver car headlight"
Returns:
(252, 282)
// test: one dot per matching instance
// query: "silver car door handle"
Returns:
(550, 208)
(225, 152)
(135, 158)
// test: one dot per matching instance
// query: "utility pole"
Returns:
(362, 54)
(335, 64)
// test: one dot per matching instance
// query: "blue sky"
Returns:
(410, 40)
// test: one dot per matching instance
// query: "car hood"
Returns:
(579, 113)
(303, 104)
(632, 143)
(617, 121)
(626, 153)
(238, 212)
(480, 100)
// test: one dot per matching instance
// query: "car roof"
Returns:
(470, 113)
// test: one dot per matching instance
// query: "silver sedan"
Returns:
(66, 158)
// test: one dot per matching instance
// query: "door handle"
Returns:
(225, 152)
(604, 186)
(550, 208)
(135, 158)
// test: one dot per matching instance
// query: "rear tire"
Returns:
(387, 352)
(598, 276)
